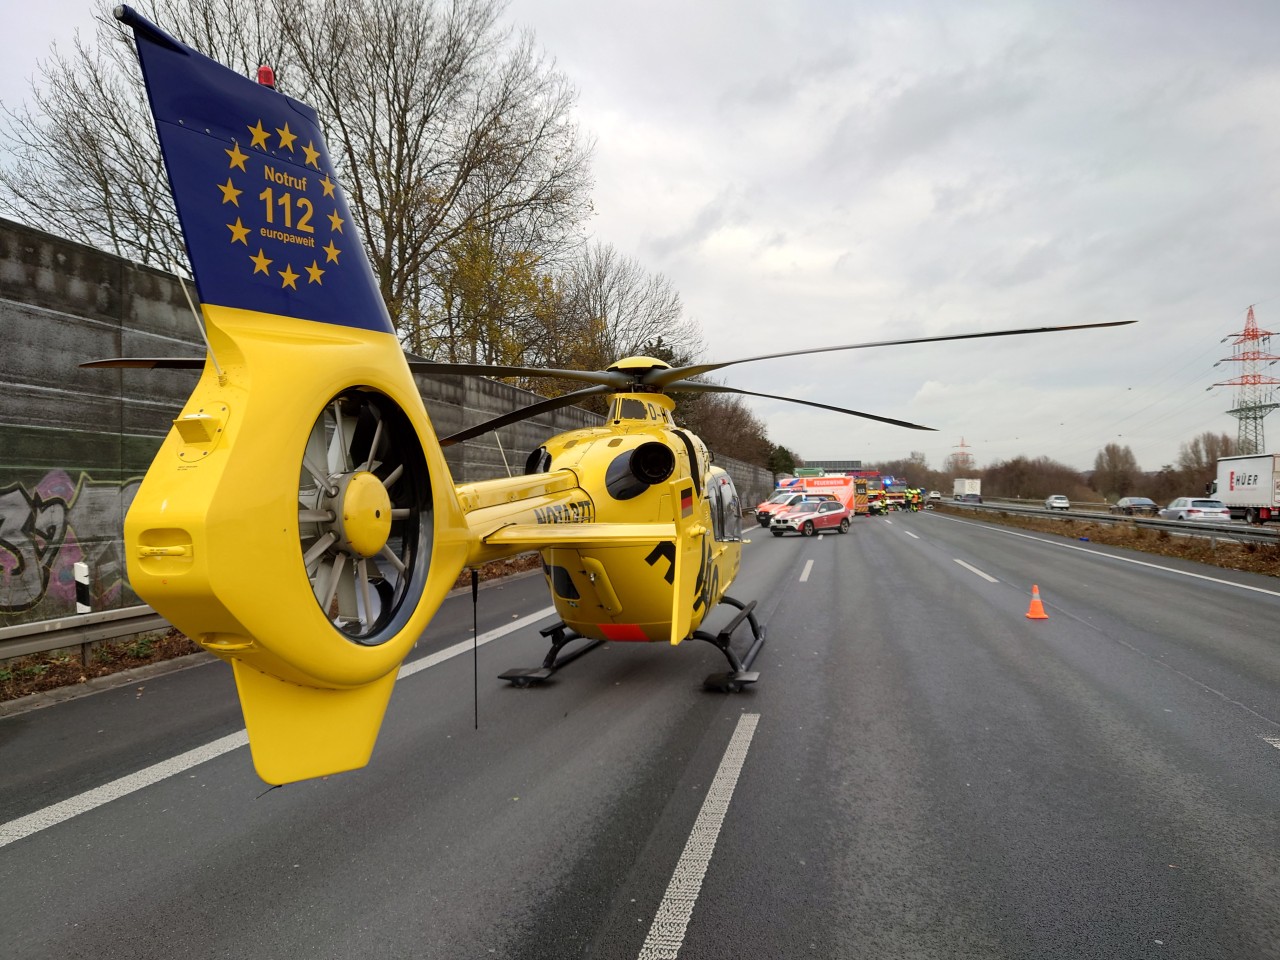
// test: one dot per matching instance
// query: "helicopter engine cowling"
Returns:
(632, 473)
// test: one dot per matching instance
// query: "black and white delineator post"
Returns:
(82, 588)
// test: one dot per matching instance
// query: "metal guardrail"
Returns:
(1235, 531)
(25, 639)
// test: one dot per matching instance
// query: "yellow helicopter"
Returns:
(304, 458)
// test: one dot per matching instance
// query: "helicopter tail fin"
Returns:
(299, 520)
(297, 732)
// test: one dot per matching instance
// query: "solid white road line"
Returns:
(910, 534)
(1274, 741)
(807, 567)
(985, 576)
(409, 669)
(1111, 556)
(666, 933)
(91, 799)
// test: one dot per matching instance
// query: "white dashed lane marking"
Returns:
(985, 576)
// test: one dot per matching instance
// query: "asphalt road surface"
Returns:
(922, 771)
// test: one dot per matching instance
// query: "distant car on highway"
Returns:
(1197, 508)
(1057, 502)
(935, 496)
(1135, 506)
(812, 517)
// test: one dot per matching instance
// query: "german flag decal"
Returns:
(686, 501)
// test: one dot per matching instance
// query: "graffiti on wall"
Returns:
(47, 528)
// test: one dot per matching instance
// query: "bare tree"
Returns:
(728, 427)
(1115, 471)
(1032, 479)
(614, 308)
(601, 308)
(84, 162)
(446, 125)
(443, 124)
(1198, 458)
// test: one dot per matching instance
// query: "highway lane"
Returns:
(932, 775)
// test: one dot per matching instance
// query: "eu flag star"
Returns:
(286, 138)
(313, 155)
(237, 158)
(288, 277)
(261, 262)
(327, 186)
(314, 272)
(335, 222)
(330, 253)
(239, 232)
(229, 192)
(259, 136)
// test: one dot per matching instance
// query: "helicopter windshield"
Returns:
(630, 410)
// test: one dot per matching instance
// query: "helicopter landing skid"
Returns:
(741, 674)
(560, 636)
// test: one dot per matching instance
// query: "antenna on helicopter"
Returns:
(222, 377)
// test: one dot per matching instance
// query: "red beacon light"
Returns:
(267, 76)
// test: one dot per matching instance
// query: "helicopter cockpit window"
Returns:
(726, 511)
(629, 410)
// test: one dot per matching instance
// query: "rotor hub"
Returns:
(362, 513)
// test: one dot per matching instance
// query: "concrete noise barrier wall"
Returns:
(75, 443)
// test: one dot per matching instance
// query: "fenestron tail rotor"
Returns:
(363, 514)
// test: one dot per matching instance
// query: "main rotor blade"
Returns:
(524, 413)
(692, 386)
(147, 363)
(618, 380)
(440, 368)
(661, 378)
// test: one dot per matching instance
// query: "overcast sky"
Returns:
(817, 173)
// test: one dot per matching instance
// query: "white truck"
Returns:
(966, 489)
(1249, 486)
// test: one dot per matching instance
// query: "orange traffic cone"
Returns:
(1036, 610)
